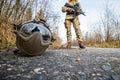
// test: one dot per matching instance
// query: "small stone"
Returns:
(56, 72)
(106, 67)
(81, 73)
(31, 72)
(18, 74)
(98, 74)
(9, 65)
(41, 68)
(9, 69)
(94, 69)
(4, 64)
(107, 77)
(10, 76)
(100, 59)
(108, 64)
(66, 55)
(41, 78)
(78, 60)
(114, 58)
(70, 66)
(99, 78)
(93, 74)
(112, 71)
(68, 79)
(22, 70)
(37, 70)
(115, 77)
(27, 76)
(94, 78)
(44, 71)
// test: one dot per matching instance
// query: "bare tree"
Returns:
(20, 11)
(12, 11)
(45, 12)
(107, 30)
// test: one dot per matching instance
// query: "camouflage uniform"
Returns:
(70, 18)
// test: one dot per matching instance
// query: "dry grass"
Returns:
(7, 38)
(112, 44)
(57, 43)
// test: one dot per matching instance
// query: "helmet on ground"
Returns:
(33, 38)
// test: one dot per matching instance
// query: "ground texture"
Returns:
(64, 64)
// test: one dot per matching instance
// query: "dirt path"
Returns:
(74, 64)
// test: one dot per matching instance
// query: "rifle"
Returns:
(83, 13)
(76, 9)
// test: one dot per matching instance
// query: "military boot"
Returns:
(81, 45)
(69, 45)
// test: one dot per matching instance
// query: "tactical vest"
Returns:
(75, 7)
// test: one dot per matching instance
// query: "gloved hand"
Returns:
(70, 10)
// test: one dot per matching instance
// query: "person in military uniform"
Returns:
(73, 10)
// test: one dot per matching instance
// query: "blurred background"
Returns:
(100, 27)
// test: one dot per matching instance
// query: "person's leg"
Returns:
(76, 25)
(69, 35)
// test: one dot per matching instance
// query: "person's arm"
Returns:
(67, 9)
(64, 9)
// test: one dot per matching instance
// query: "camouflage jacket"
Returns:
(70, 16)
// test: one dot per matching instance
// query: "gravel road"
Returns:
(63, 64)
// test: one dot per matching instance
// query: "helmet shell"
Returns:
(33, 39)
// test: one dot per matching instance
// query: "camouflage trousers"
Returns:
(76, 25)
